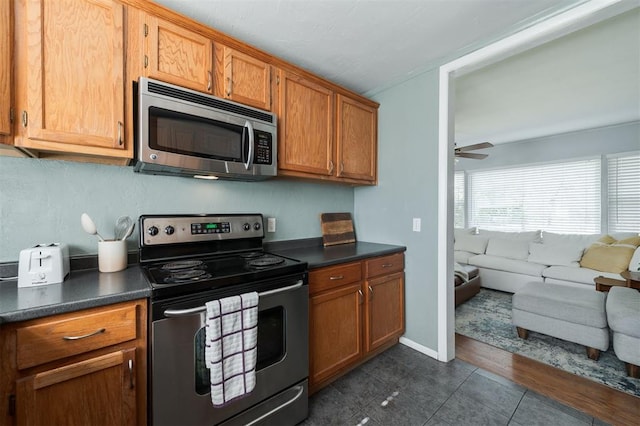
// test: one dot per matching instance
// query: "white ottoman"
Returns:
(569, 313)
(623, 315)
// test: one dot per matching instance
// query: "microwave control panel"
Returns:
(263, 147)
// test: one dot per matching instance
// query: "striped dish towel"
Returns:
(231, 346)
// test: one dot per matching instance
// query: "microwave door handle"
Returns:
(249, 127)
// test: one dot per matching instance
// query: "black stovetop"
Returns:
(176, 277)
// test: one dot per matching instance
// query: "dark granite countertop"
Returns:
(82, 289)
(317, 256)
(88, 288)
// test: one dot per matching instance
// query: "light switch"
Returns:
(416, 224)
(271, 224)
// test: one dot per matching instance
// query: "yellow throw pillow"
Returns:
(609, 254)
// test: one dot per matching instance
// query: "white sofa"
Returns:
(509, 260)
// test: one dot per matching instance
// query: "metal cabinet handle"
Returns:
(102, 330)
(130, 374)
(371, 291)
(210, 80)
(361, 296)
(229, 83)
(336, 277)
(330, 167)
(341, 168)
(387, 265)
(119, 132)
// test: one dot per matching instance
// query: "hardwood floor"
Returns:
(595, 399)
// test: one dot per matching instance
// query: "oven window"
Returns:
(271, 346)
(194, 136)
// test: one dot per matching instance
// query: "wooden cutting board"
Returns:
(337, 228)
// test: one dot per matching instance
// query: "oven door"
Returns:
(180, 381)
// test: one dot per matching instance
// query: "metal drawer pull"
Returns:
(300, 389)
(387, 265)
(199, 309)
(371, 291)
(102, 330)
(336, 277)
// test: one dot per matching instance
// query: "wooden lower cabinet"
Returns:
(99, 390)
(385, 310)
(82, 368)
(356, 310)
(336, 330)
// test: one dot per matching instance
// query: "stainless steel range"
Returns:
(192, 259)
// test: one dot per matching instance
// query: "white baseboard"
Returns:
(418, 347)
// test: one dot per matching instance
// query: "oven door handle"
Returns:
(199, 309)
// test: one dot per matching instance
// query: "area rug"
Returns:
(487, 318)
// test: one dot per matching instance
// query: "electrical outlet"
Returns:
(416, 224)
(271, 224)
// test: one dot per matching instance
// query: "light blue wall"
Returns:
(585, 143)
(408, 188)
(41, 202)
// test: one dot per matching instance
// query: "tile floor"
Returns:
(404, 387)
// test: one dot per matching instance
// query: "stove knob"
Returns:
(169, 230)
(153, 231)
(246, 227)
(257, 226)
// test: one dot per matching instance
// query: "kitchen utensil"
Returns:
(129, 231)
(43, 264)
(123, 225)
(89, 226)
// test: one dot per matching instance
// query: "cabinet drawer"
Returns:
(334, 276)
(384, 265)
(70, 335)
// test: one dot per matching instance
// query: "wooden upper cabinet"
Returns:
(305, 128)
(5, 67)
(242, 78)
(70, 76)
(356, 139)
(177, 55)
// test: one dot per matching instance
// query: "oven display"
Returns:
(210, 228)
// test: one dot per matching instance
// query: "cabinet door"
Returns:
(305, 128)
(385, 309)
(100, 390)
(356, 144)
(335, 331)
(74, 74)
(177, 55)
(242, 78)
(5, 67)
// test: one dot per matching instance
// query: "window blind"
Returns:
(458, 200)
(623, 193)
(559, 197)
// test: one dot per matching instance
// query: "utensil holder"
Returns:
(112, 255)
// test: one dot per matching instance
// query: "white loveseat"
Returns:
(508, 260)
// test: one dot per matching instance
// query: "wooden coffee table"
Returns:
(632, 279)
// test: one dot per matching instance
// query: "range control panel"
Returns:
(176, 229)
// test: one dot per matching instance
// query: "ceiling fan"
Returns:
(462, 151)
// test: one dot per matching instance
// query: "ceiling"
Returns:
(370, 45)
(587, 79)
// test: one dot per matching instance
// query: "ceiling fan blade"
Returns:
(471, 155)
(473, 147)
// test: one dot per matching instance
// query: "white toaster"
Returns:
(43, 264)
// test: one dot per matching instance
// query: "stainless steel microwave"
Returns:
(188, 133)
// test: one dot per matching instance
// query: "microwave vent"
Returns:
(209, 101)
